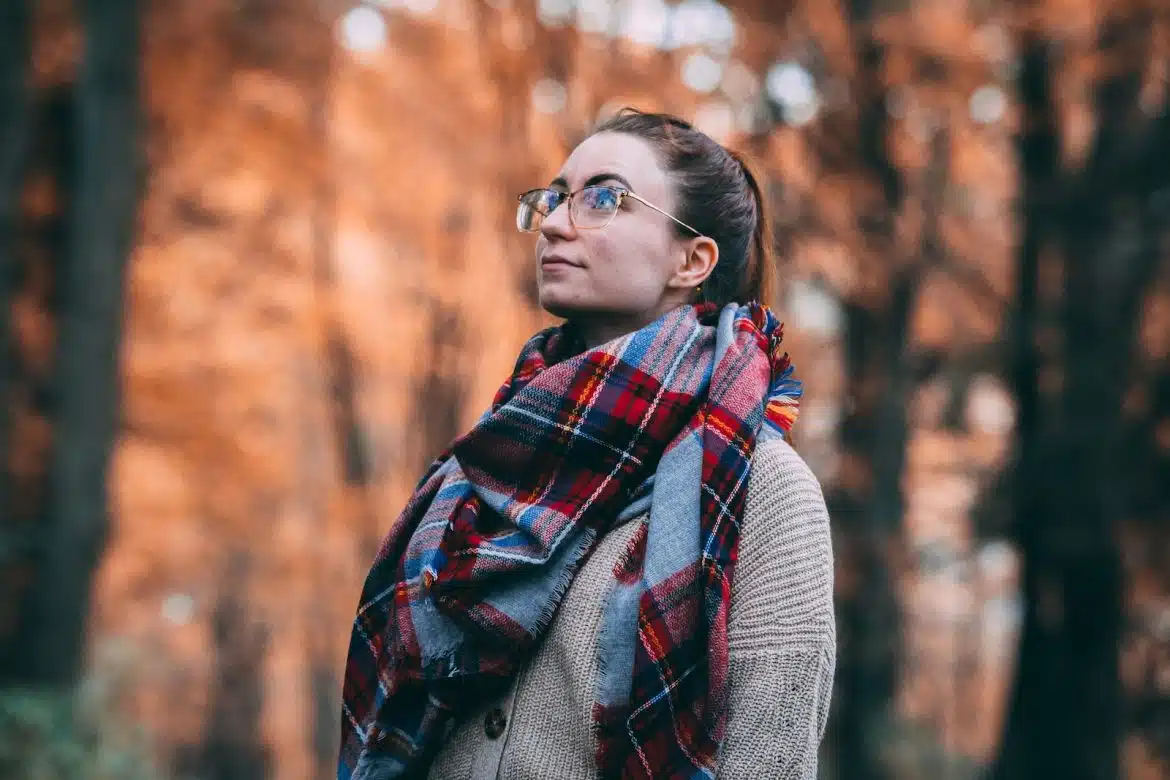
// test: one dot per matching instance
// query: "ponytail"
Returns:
(759, 275)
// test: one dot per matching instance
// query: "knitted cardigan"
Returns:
(781, 644)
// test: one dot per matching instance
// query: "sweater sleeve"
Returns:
(781, 631)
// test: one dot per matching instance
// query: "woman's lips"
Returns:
(554, 261)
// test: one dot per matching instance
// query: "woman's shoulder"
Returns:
(780, 475)
(782, 594)
(785, 530)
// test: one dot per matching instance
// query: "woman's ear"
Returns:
(702, 254)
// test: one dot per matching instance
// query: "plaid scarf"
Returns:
(576, 441)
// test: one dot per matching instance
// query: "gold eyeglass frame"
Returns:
(622, 193)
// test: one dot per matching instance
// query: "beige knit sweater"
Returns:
(782, 646)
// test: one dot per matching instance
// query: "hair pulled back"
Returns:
(718, 193)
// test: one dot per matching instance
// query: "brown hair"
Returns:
(718, 193)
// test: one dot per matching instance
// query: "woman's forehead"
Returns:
(616, 153)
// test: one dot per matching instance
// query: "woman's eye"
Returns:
(552, 199)
(601, 198)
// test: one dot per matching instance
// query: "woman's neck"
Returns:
(595, 331)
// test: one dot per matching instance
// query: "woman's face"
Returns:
(631, 271)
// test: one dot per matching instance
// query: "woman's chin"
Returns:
(559, 301)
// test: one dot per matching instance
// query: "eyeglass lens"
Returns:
(592, 207)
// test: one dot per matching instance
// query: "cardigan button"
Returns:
(494, 722)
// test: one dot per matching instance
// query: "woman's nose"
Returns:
(558, 223)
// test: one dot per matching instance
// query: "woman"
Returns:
(623, 570)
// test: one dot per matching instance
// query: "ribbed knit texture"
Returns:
(781, 641)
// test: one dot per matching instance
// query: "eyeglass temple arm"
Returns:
(644, 202)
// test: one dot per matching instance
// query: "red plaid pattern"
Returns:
(527, 493)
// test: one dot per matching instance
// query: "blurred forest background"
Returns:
(258, 265)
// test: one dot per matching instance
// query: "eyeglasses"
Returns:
(590, 208)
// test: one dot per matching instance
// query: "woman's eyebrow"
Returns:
(596, 178)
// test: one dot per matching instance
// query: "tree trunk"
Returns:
(102, 221)
(233, 740)
(869, 615)
(1065, 716)
(15, 112)
(1038, 151)
(868, 512)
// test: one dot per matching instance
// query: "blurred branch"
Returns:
(972, 280)
(339, 360)
(934, 254)
(1126, 155)
(441, 393)
(352, 443)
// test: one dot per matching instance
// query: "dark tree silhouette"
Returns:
(233, 743)
(15, 120)
(1065, 717)
(868, 512)
(85, 386)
